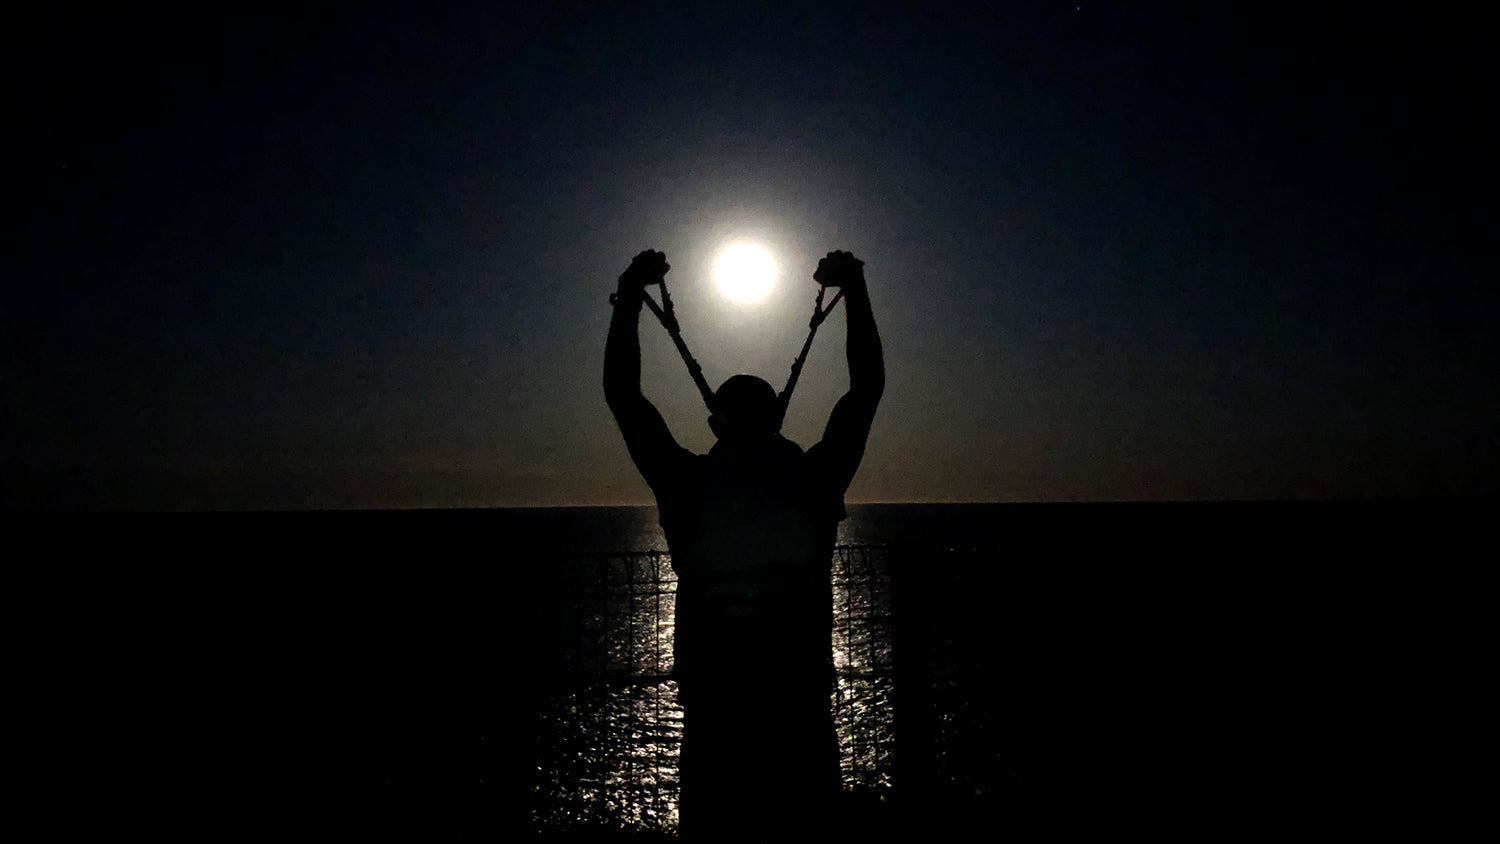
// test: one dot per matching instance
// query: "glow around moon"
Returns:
(745, 272)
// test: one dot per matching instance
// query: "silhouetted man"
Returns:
(751, 527)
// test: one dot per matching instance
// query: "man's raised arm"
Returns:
(843, 443)
(646, 435)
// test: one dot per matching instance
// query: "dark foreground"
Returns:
(1183, 670)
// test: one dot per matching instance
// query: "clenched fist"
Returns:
(649, 267)
(839, 269)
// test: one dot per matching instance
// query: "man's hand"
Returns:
(839, 269)
(649, 267)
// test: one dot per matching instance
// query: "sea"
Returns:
(1181, 669)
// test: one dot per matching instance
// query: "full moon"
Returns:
(745, 272)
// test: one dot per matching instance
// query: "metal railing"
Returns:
(610, 726)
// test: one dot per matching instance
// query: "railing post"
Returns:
(911, 658)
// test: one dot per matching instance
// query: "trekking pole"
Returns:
(819, 314)
(668, 319)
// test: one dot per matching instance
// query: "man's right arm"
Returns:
(650, 442)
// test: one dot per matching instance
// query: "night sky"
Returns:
(362, 258)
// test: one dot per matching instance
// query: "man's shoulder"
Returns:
(690, 467)
(775, 447)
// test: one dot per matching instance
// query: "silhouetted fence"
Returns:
(610, 726)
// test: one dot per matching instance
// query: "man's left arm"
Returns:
(843, 444)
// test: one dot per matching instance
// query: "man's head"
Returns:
(745, 407)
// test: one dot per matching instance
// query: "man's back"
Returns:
(751, 541)
(751, 528)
